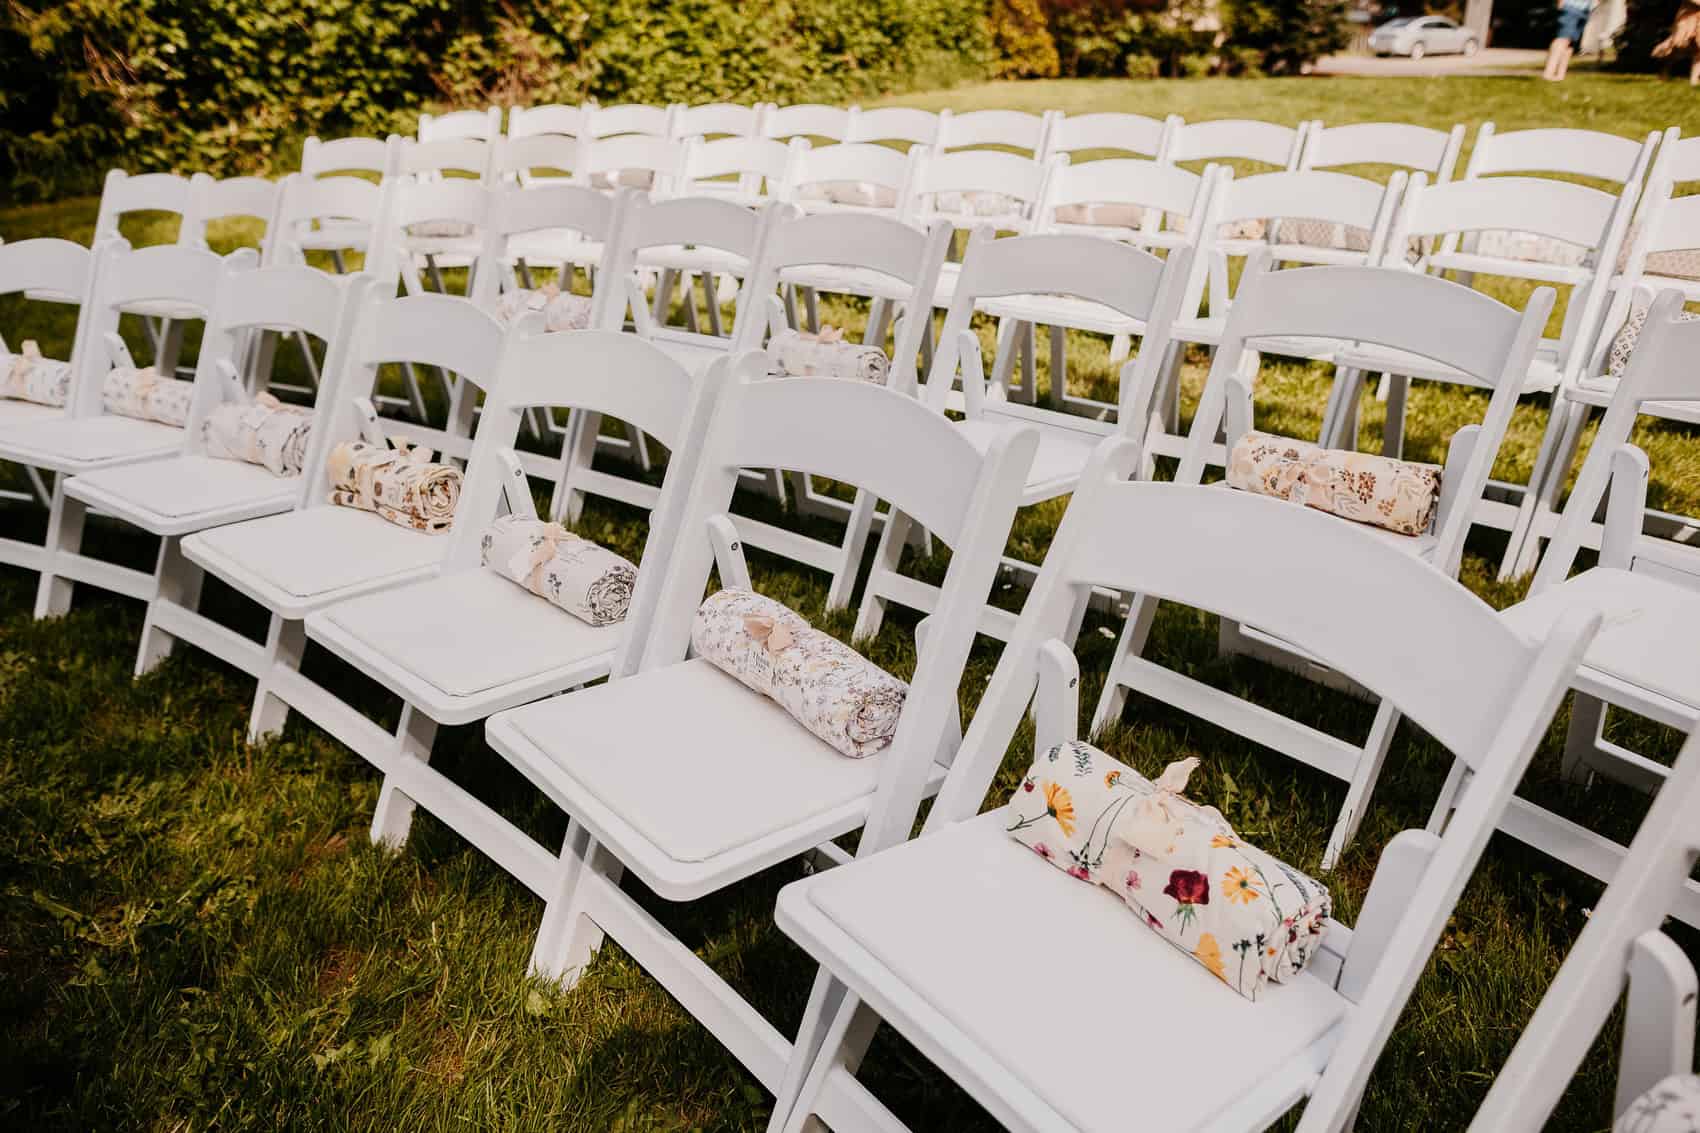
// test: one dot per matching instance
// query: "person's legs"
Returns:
(1555, 52)
(1564, 60)
(1694, 70)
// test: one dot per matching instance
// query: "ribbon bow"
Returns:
(775, 637)
(826, 334)
(1153, 826)
(529, 562)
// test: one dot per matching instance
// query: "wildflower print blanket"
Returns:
(1180, 867)
(1623, 343)
(30, 377)
(264, 431)
(588, 581)
(1671, 1106)
(825, 354)
(399, 483)
(131, 392)
(825, 685)
(1396, 494)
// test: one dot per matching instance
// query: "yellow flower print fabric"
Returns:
(825, 685)
(1180, 867)
(398, 483)
(587, 580)
(30, 377)
(1396, 494)
(131, 392)
(265, 432)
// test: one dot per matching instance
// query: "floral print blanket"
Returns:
(562, 310)
(825, 354)
(1396, 494)
(264, 431)
(588, 581)
(1671, 1106)
(825, 685)
(132, 392)
(399, 483)
(1622, 347)
(1245, 916)
(30, 377)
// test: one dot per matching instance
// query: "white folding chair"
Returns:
(1235, 139)
(929, 935)
(1391, 309)
(1539, 208)
(378, 156)
(56, 271)
(1578, 153)
(1120, 133)
(469, 642)
(1123, 281)
(534, 159)
(191, 491)
(974, 187)
(750, 171)
(807, 120)
(1415, 149)
(125, 193)
(1005, 129)
(480, 125)
(321, 553)
(1621, 955)
(84, 437)
(894, 124)
(715, 119)
(214, 199)
(552, 118)
(877, 254)
(651, 162)
(1648, 586)
(669, 795)
(628, 118)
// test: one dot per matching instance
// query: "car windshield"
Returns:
(1402, 21)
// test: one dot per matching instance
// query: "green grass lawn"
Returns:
(196, 932)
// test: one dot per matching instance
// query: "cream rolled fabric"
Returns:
(440, 229)
(1671, 1106)
(1103, 214)
(264, 431)
(860, 194)
(400, 484)
(1245, 916)
(825, 354)
(583, 578)
(1399, 495)
(825, 685)
(562, 310)
(30, 377)
(131, 392)
(1622, 347)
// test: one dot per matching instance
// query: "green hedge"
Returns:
(233, 86)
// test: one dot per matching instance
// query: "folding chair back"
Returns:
(458, 203)
(749, 170)
(1664, 247)
(701, 222)
(807, 120)
(552, 118)
(626, 159)
(254, 198)
(1236, 139)
(1121, 132)
(1415, 149)
(1005, 129)
(716, 119)
(1577, 153)
(972, 187)
(480, 125)
(882, 174)
(326, 214)
(572, 210)
(1128, 199)
(628, 118)
(1677, 158)
(466, 158)
(124, 193)
(379, 156)
(894, 124)
(534, 158)
(48, 266)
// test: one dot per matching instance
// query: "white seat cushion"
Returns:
(165, 309)
(1648, 635)
(15, 412)
(186, 485)
(553, 246)
(692, 761)
(74, 444)
(1061, 984)
(693, 259)
(1209, 333)
(315, 553)
(1063, 311)
(1543, 371)
(1059, 460)
(470, 631)
(848, 281)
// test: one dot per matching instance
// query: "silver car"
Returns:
(1417, 36)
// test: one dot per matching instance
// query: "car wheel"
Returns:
(1471, 47)
(1418, 50)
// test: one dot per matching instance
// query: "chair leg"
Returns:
(871, 615)
(843, 1043)
(1058, 337)
(1029, 362)
(1393, 428)
(1134, 633)
(170, 348)
(573, 937)
(64, 537)
(664, 295)
(177, 580)
(1553, 461)
(1364, 777)
(811, 307)
(819, 1017)
(850, 551)
(1448, 799)
(286, 640)
(1582, 740)
(1121, 347)
(394, 815)
(577, 451)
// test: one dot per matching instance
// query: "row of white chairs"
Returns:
(408, 609)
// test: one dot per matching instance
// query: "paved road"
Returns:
(1489, 61)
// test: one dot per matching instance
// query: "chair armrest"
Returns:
(1056, 707)
(729, 554)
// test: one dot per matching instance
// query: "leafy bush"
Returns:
(1280, 37)
(1022, 41)
(232, 86)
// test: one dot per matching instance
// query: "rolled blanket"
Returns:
(265, 432)
(976, 202)
(131, 392)
(398, 483)
(623, 179)
(440, 229)
(1396, 494)
(562, 310)
(1245, 916)
(862, 194)
(588, 581)
(1106, 214)
(1671, 1106)
(1529, 247)
(825, 354)
(825, 685)
(1322, 234)
(30, 377)
(1623, 343)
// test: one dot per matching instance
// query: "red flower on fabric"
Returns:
(1188, 887)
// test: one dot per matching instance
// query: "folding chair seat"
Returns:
(1621, 955)
(84, 437)
(593, 751)
(939, 937)
(470, 642)
(1649, 590)
(320, 553)
(1126, 280)
(1388, 308)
